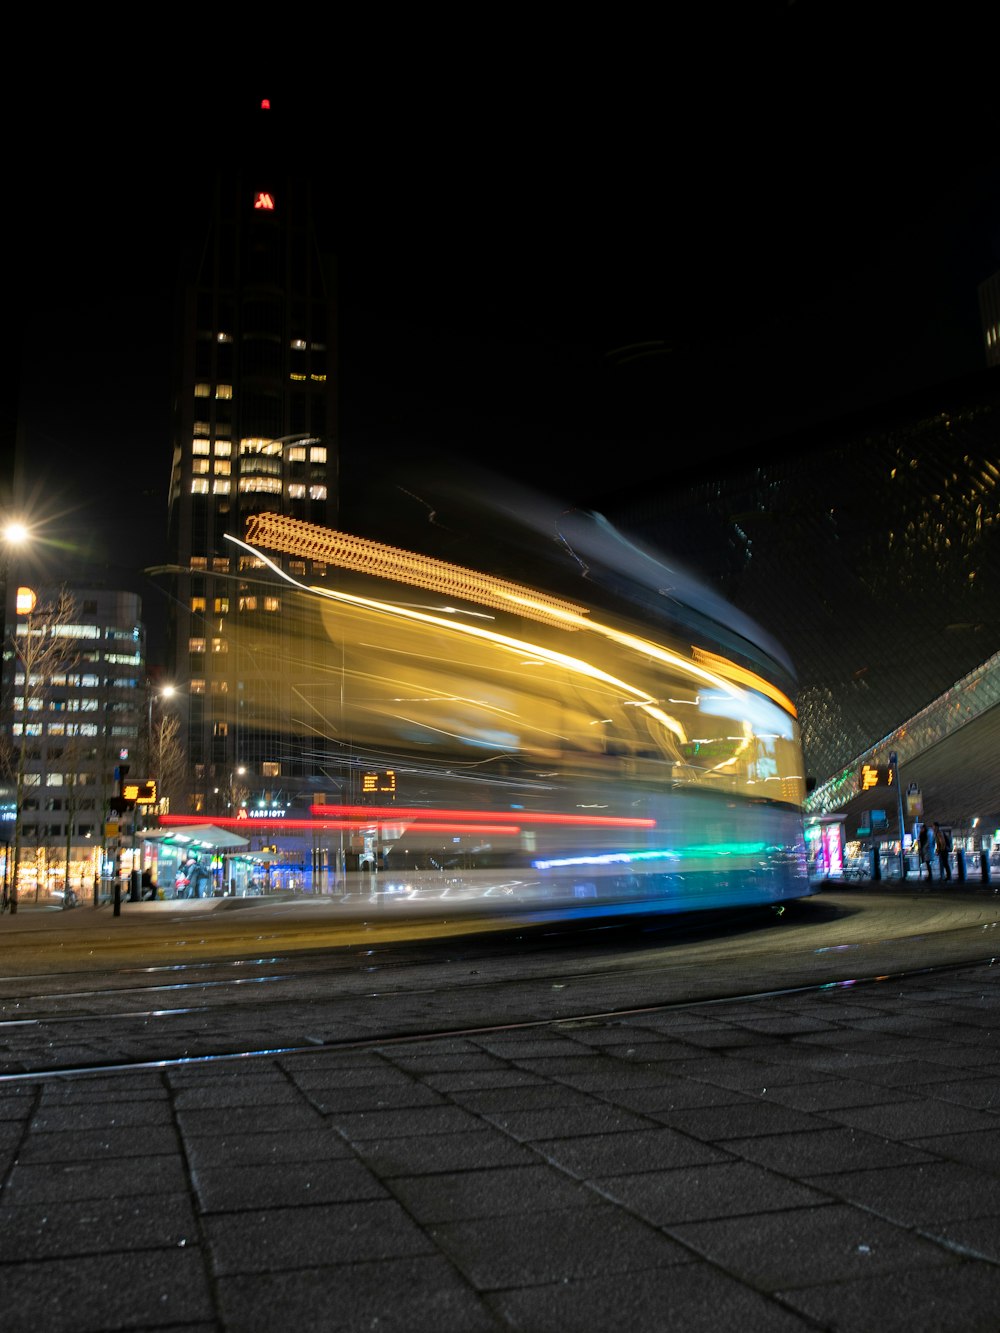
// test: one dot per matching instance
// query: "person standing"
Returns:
(942, 849)
(924, 852)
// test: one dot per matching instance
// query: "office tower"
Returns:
(81, 713)
(254, 429)
(989, 310)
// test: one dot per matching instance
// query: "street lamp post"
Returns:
(164, 692)
(25, 606)
(12, 536)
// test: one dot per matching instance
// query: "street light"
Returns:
(13, 535)
(26, 602)
(164, 692)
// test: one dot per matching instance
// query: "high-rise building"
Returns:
(989, 310)
(78, 708)
(254, 430)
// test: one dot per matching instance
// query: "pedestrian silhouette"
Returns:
(924, 851)
(941, 846)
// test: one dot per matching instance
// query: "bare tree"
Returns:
(42, 650)
(168, 762)
(74, 752)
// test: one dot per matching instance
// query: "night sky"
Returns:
(585, 262)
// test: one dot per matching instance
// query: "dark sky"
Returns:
(581, 258)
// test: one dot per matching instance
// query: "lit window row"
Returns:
(204, 390)
(296, 491)
(220, 564)
(299, 345)
(202, 448)
(301, 379)
(36, 705)
(198, 645)
(199, 486)
(55, 729)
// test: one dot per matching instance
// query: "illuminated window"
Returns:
(223, 448)
(220, 646)
(296, 453)
(296, 491)
(223, 391)
(225, 337)
(317, 492)
(264, 485)
(196, 645)
(221, 606)
(202, 390)
(251, 562)
(317, 454)
(298, 378)
(221, 487)
(272, 603)
(297, 566)
(299, 344)
(199, 486)
(199, 562)
(220, 564)
(220, 729)
(248, 603)
(320, 379)
(199, 466)
(220, 686)
(199, 447)
(270, 769)
(223, 467)
(196, 686)
(202, 428)
(197, 604)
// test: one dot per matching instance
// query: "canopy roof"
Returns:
(197, 837)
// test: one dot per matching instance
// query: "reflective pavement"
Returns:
(827, 1159)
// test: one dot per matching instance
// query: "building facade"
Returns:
(254, 430)
(989, 311)
(869, 549)
(78, 709)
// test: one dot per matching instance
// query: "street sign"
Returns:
(876, 775)
(139, 791)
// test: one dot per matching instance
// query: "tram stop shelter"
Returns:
(202, 841)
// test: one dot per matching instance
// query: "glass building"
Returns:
(869, 548)
(77, 713)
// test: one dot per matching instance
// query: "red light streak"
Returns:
(418, 814)
(390, 820)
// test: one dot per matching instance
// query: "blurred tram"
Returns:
(618, 741)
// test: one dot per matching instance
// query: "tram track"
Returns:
(236, 1008)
